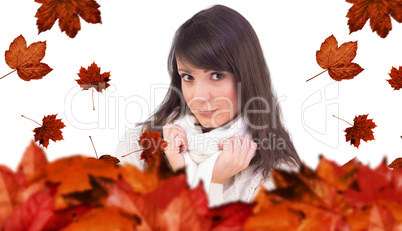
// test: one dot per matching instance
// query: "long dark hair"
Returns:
(219, 38)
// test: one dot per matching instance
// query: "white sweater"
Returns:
(241, 187)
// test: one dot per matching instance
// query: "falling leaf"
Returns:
(379, 13)
(396, 78)
(396, 164)
(67, 11)
(152, 144)
(50, 129)
(26, 61)
(338, 61)
(361, 129)
(92, 77)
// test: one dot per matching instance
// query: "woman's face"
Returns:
(211, 95)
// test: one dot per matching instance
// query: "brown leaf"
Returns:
(92, 77)
(152, 144)
(361, 129)
(396, 164)
(109, 159)
(67, 11)
(338, 61)
(379, 13)
(26, 61)
(396, 78)
(50, 129)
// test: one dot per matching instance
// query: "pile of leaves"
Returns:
(84, 193)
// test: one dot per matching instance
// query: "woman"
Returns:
(220, 88)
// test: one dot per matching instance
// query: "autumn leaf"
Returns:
(338, 61)
(109, 159)
(396, 164)
(106, 218)
(33, 214)
(152, 145)
(92, 77)
(379, 13)
(374, 185)
(10, 193)
(67, 11)
(361, 129)
(33, 159)
(396, 78)
(73, 174)
(50, 129)
(26, 61)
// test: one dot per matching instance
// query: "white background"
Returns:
(133, 42)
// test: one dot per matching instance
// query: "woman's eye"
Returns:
(217, 76)
(187, 77)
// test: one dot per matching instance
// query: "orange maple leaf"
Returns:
(26, 61)
(361, 129)
(67, 11)
(50, 129)
(378, 11)
(396, 78)
(338, 61)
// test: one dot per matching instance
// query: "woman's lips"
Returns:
(206, 113)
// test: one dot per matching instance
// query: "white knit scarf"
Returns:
(203, 149)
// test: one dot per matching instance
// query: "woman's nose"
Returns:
(202, 92)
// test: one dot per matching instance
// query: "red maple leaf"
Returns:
(361, 129)
(67, 11)
(396, 78)
(26, 61)
(338, 61)
(378, 11)
(50, 129)
(152, 144)
(92, 77)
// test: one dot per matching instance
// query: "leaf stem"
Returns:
(316, 75)
(343, 120)
(96, 154)
(8, 74)
(31, 120)
(93, 104)
(132, 152)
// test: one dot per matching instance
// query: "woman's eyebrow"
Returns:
(184, 70)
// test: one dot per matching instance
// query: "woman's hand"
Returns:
(177, 140)
(236, 156)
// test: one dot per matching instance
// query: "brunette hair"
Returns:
(219, 38)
